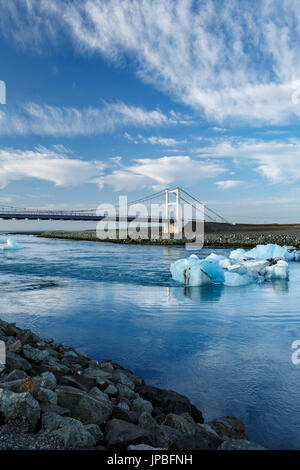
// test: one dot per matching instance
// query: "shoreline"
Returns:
(53, 397)
(242, 238)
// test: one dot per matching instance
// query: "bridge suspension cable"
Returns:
(147, 198)
(182, 199)
(206, 207)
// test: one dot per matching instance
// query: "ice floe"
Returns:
(270, 251)
(242, 267)
(11, 244)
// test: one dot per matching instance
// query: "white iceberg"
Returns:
(216, 258)
(241, 268)
(11, 244)
(188, 272)
(238, 254)
(257, 266)
(225, 263)
(235, 279)
(280, 270)
(263, 252)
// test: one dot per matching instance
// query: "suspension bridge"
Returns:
(168, 201)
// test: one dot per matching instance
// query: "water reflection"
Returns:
(210, 293)
(280, 286)
(213, 293)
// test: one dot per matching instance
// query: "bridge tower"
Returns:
(172, 226)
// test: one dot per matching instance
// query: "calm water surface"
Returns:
(228, 349)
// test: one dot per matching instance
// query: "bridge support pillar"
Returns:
(172, 227)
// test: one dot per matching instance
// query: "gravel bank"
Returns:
(242, 238)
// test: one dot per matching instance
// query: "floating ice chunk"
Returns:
(258, 266)
(237, 268)
(238, 254)
(293, 254)
(234, 279)
(269, 251)
(280, 270)
(215, 258)
(241, 269)
(263, 252)
(221, 260)
(213, 270)
(194, 276)
(11, 244)
(225, 263)
(178, 268)
(188, 271)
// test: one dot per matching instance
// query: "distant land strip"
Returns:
(215, 235)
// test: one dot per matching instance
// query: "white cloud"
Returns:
(228, 184)
(219, 129)
(239, 61)
(61, 148)
(160, 172)
(39, 119)
(164, 141)
(63, 170)
(154, 140)
(278, 161)
(48, 165)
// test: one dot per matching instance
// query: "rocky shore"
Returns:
(52, 397)
(229, 238)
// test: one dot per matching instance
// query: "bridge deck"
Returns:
(80, 217)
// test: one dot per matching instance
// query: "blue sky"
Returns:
(108, 97)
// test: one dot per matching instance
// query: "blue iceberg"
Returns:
(270, 251)
(262, 263)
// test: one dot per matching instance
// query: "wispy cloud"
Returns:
(238, 60)
(157, 173)
(278, 161)
(37, 119)
(59, 168)
(154, 140)
(222, 130)
(61, 148)
(44, 164)
(229, 184)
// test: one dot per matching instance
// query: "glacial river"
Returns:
(227, 348)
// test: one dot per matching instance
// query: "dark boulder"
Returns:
(120, 434)
(53, 408)
(167, 400)
(27, 337)
(196, 415)
(201, 440)
(73, 382)
(125, 415)
(229, 426)
(15, 361)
